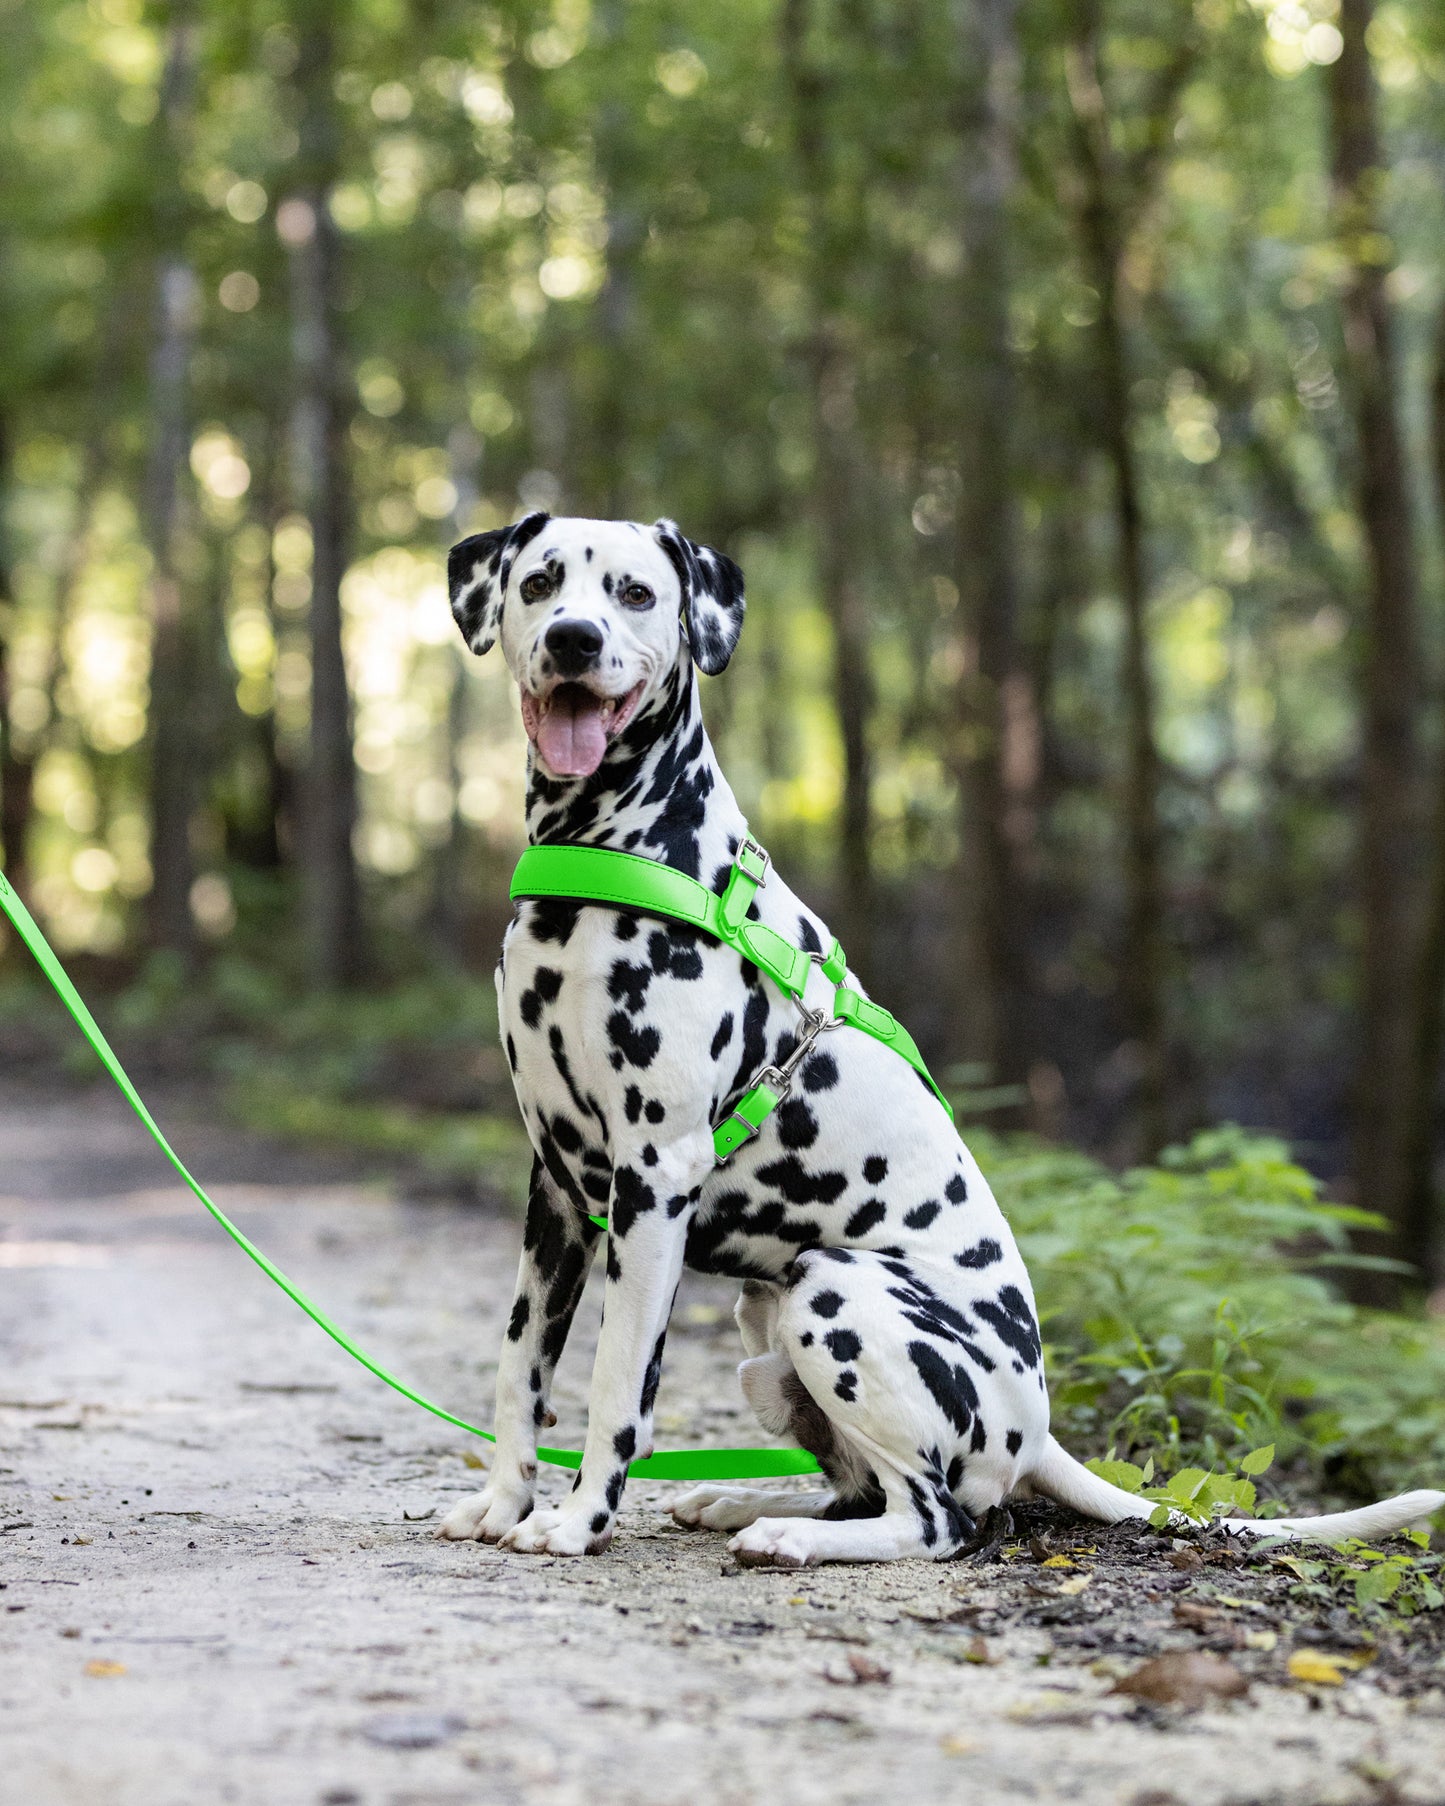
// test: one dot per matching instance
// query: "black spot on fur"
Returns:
(982, 1254)
(624, 1443)
(846, 1386)
(600, 1523)
(820, 1072)
(546, 984)
(844, 1344)
(1014, 1441)
(521, 1311)
(798, 1185)
(637, 1046)
(922, 1214)
(627, 984)
(654, 1111)
(723, 1035)
(632, 1103)
(875, 1169)
(865, 1218)
(797, 1125)
(1013, 1323)
(949, 1385)
(553, 919)
(956, 1191)
(808, 936)
(616, 1480)
(826, 1304)
(630, 1198)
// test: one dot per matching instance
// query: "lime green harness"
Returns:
(625, 881)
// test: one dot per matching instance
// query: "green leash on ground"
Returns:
(679, 1464)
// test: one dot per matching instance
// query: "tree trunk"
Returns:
(1419, 1220)
(609, 480)
(1389, 776)
(320, 418)
(997, 769)
(16, 773)
(1103, 230)
(836, 488)
(174, 750)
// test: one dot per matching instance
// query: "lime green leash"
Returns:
(680, 1464)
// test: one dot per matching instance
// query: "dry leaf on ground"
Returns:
(1185, 1677)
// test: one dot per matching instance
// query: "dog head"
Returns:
(594, 618)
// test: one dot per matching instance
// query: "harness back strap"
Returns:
(627, 881)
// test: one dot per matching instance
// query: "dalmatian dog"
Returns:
(887, 1318)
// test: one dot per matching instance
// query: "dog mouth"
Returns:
(571, 727)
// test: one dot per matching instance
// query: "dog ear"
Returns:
(712, 597)
(477, 572)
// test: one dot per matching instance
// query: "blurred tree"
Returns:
(1390, 659)
(176, 747)
(321, 414)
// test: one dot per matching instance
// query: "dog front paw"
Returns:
(777, 1543)
(553, 1530)
(485, 1516)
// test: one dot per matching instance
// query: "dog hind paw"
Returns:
(776, 1543)
(715, 1508)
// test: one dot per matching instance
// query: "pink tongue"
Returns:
(570, 736)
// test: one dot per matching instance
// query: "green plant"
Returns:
(1189, 1311)
(1369, 1583)
(1193, 1492)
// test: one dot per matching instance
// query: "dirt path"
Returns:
(219, 1581)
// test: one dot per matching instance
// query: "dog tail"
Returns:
(1058, 1476)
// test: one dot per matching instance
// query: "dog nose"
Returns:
(574, 645)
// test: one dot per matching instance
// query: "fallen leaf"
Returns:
(1072, 1587)
(417, 1517)
(1058, 1561)
(1324, 1668)
(798, 1599)
(471, 1459)
(1185, 1677)
(866, 1670)
(1039, 1547)
(977, 1651)
(1261, 1639)
(959, 1746)
(83, 1541)
(1188, 1561)
(104, 1671)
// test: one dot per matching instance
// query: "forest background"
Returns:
(1068, 376)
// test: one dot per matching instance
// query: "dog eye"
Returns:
(536, 585)
(637, 595)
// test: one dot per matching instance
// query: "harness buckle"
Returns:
(752, 860)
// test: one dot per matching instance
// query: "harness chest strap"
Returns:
(627, 881)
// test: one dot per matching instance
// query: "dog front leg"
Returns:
(649, 1217)
(558, 1242)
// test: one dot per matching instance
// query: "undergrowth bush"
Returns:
(1188, 1312)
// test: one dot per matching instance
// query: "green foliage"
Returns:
(1188, 1310)
(1371, 1584)
(1192, 1492)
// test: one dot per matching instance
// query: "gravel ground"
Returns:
(218, 1579)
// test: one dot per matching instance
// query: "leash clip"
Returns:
(750, 850)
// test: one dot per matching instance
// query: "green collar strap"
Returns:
(626, 881)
